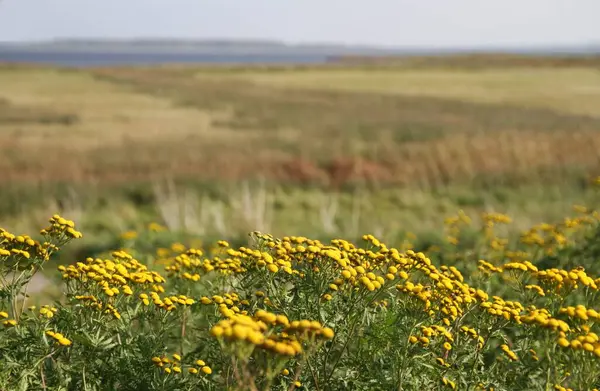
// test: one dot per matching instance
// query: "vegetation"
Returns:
(166, 170)
(322, 151)
(484, 311)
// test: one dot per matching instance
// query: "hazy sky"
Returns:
(383, 22)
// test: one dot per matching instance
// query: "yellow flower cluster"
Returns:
(90, 300)
(533, 355)
(59, 338)
(113, 276)
(536, 288)
(551, 237)
(471, 332)
(580, 312)
(60, 227)
(307, 328)
(431, 332)
(168, 303)
(442, 292)
(572, 278)
(22, 248)
(191, 264)
(488, 268)
(541, 317)
(453, 226)
(156, 227)
(205, 369)
(263, 332)
(48, 311)
(490, 219)
(174, 365)
(509, 353)
(449, 383)
(245, 329)
(446, 312)
(228, 304)
(503, 308)
(558, 278)
(588, 343)
(7, 322)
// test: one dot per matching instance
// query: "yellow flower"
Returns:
(327, 333)
(563, 342)
(155, 227)
(129, 235)
(206, 370)
(449, 383)
(64, 342)
(9, 323)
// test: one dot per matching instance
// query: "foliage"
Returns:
(483, 311)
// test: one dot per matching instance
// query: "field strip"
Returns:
(106, 111)
(575, 90)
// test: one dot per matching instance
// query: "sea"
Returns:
(96, 58)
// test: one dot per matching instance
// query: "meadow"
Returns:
(290, 148)
(186, 171)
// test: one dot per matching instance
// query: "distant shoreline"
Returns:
(98, 59)
(222, 46)
(73, 53)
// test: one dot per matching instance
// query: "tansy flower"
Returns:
(9, 323)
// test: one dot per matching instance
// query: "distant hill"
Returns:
(227, 46)
(193, 46)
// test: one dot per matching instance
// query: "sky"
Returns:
(417, 23)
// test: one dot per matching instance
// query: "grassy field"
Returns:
(291, 149)
(569, 91)
(503, 298)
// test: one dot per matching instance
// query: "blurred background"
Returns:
(323, 119)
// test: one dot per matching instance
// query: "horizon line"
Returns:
(280, 42)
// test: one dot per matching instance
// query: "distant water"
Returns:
(91, 59)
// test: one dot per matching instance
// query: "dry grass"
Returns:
(570, 90)
(107, 112)
(111, 123)
(320, 125)
(345, 136)
(419, 138)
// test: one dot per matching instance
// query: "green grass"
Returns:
(400, 145)
(215, 211)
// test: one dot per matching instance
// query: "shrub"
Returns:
(294, 313)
